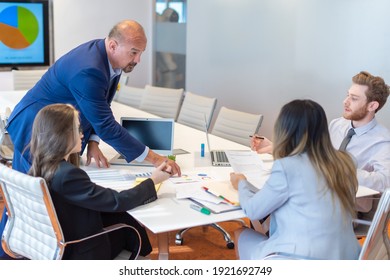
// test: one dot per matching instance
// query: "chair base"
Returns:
(229, 242)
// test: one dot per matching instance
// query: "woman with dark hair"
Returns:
(84, 208)
(310, 194)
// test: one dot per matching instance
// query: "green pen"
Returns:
(200, 209)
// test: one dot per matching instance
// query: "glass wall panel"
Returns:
(170, 43)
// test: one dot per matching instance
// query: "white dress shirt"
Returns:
(370, 148)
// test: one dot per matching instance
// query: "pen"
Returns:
(257, 137)
(200, 209)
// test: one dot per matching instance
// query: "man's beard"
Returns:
(129, 68)
(357, 115)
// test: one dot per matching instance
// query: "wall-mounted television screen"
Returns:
(25, 37)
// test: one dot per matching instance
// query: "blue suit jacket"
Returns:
(81, 78)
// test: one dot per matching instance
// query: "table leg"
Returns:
(163, 246)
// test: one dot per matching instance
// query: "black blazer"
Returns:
(79, 203)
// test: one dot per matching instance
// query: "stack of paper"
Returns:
(112, 178)
(117, 179)
(216, 196)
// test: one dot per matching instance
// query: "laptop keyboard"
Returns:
(220, 158)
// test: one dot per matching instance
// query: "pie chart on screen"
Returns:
(19, 27)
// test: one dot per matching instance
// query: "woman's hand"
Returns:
(157, 160)
(235, 178)
(161, 173)
(261, 144)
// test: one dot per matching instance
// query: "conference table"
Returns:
(168, 213)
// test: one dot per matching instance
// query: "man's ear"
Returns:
(373, 106)
(112, 45)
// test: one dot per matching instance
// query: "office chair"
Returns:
(236, 125)
(195, 110)
(26, 79)
(362, 224)
(33, 230)
(163, 102)
(129, 95)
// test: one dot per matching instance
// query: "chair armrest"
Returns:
(362, 222)
(105, 231)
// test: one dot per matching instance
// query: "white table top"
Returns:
(9, 98)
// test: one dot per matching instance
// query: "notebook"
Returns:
(156, 133)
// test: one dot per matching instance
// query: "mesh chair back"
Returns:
(236, 125)
(163, 102)
(195, 110)
(32, 230)
(131, 96)
(26, 79)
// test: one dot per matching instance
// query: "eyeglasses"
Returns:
(80, 129)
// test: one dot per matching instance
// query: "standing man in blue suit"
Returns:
(87, 77)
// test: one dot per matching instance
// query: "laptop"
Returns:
(218, 157)
(156, 133)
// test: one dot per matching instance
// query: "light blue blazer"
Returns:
(305, 219)
(81, 78)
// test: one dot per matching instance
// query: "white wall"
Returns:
(256, 55)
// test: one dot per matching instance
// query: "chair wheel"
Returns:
(230, 245)
(179, 241)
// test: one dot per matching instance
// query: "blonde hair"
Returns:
(302, 127)
(54, 134)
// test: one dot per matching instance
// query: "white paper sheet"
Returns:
(251, 165)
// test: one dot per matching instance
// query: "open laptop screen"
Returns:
(155, 133)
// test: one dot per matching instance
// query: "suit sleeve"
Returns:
(91, 92)
(75, 186)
